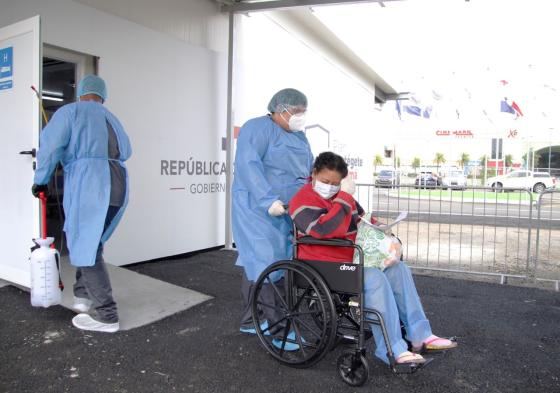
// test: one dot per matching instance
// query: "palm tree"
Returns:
(464, 160)
(483, 161)
(378, 160)
(415, 164)
(508, 161)
(439, 159)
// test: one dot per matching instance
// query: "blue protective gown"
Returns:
(270, 164)
(77, 136)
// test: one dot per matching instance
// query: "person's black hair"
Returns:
(331, 161)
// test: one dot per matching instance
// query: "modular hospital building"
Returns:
(180, 87)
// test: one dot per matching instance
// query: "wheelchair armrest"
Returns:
(325, 242)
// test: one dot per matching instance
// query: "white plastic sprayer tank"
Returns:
(45, 290)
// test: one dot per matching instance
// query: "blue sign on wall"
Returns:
(6, 68)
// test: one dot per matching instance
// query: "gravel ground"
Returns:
(509, 340)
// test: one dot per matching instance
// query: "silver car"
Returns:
(456, 180)
(388, 178)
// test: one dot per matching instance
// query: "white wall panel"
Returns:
(198, 22)
(170, 96)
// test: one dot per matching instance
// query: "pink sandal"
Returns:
(409, 357)
(435, 343)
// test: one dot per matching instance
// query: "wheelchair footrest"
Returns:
(410, 368)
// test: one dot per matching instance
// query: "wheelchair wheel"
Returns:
(353, 368)
(292, 333)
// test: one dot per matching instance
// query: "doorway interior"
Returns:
(62, 69)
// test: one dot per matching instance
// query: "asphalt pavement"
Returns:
(509, 340)
(461, 211)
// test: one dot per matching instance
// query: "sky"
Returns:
(461, 50)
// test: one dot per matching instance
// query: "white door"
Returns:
(20, 68)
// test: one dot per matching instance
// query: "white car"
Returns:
(534, 181)
(455, 179)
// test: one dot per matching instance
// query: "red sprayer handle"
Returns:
(43, 199)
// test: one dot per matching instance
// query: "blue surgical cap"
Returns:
(92, 84)
(287, 99)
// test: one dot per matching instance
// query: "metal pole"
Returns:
(485, 170)
(229, 136)
(549, 149)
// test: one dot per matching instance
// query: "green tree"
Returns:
(378, 160)
(508, 160)
(484, 171)
(415, 163)
(439, 159)
(524, 159)
(464, 160)
(398, 162)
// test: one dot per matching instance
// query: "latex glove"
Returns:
(36, 189)
(347, 185)
(276, 209)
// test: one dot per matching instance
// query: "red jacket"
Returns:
(325, 219)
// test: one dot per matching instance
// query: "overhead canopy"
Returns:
(243, 6)
(296, 17)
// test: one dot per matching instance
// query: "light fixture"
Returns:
(48, 98)
(53, 93)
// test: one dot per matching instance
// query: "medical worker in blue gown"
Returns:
(92, 146)
(272, 162)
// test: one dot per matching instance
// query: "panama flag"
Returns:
(509, 106)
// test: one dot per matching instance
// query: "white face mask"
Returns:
(326, 191)
(297, 122)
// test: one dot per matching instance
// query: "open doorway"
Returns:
(62, 69)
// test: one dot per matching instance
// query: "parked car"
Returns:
(454, 179)
(534, 181)
(388, 178)
(427, 180)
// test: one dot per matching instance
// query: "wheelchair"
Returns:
(303, 309)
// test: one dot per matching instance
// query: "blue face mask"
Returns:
(326, 191)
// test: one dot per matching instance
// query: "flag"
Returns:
(413, 107)
(516, 108)
(505, 107)
(413, 110)
(512, 108)
(509, 106)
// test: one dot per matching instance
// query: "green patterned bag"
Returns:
(380, 250)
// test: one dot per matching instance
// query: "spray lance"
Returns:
(46, 285)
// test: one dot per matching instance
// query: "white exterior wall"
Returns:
(170, 96)
(197, 22)
(268, 58)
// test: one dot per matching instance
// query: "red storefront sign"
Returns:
(456, 133)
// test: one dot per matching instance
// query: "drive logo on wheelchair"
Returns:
(348, 267)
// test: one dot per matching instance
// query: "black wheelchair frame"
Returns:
(311, 300)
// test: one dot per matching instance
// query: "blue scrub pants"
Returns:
(393, 293)
(267, 296)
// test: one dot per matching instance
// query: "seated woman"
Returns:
(325, 209)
